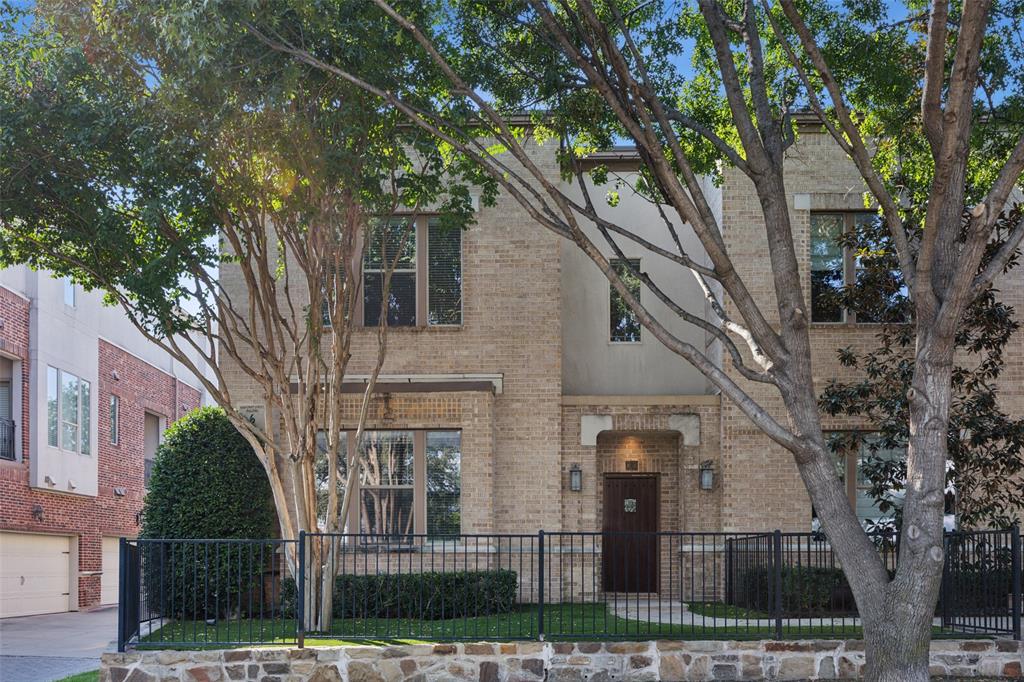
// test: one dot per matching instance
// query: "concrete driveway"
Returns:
(50, 647)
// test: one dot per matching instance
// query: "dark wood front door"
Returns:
(630, 533)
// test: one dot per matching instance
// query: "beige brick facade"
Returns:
(520, 443)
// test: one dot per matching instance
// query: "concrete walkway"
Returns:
(50, 647)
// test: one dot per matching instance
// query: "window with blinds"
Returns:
(444, 272)
(393, 243)
(426, 284)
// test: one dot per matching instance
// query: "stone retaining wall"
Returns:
(552, 661)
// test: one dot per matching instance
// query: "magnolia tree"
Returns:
(155, 173)
(927, 106)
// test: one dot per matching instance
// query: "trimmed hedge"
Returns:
(423, 596)
(805, 591)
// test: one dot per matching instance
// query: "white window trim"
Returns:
(115, 419)
(60, 414)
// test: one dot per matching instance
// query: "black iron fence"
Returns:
(562, 585)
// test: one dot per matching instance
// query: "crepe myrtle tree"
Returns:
(927, 106)
(152, 172)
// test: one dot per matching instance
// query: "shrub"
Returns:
(207, 483)
(425, 596)
(806, 590)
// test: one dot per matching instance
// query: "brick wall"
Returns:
(511, 326)
(642, 432)
(762, 488)
(140, 387)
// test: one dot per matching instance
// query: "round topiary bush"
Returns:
(207, 484)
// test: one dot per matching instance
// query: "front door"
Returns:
(630, 533)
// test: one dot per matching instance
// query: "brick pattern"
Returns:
(511, 326)
(670, 661)
(140, 387)
(642, 433)
(762, 486)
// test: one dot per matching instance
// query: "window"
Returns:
(67, 411)
(322, 471)
(386, 483)
(444, 274)
(6, 421)
(410, 482)
(832, 265)
(69, 291)
(115, 407)
(151, 437)
(851, 466)
(426, 284)
(625, 327)
(444, 483)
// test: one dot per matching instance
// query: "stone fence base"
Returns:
(552, 661)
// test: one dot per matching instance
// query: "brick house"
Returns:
(84, 399)
(529, 399)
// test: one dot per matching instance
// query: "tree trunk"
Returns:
(898, 638)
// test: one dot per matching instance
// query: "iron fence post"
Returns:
(540, 587)
(777, 569)
(122, 592)
(945, 588)
(300, 592)
(1018, 604)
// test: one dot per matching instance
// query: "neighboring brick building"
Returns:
(537, 399)
(84, 399)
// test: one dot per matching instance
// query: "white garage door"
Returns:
(35, 574)
(111, 568)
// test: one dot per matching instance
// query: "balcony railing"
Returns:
(7, 432)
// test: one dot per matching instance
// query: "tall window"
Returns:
(625, 327)
(832, 265)
(67, 411)
(391, 244)
(444, 274)
(386, 483)
(115, 418)
(6, 418)
(69, 292)
(426, 284)
(444, 483)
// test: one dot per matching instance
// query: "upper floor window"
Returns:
(833, 266)
(69, 292)
(67, 411)
(115, 419)
(426, 283)
(625, 327)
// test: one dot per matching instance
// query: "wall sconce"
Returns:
(575, 478)
(707, 475)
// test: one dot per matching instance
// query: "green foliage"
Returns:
(985, 444)
(806, 591)
(207, 483)
(134, 132)
(423, 596)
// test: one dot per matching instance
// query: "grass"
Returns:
(91, 676)
(719, 610)
(561, 622)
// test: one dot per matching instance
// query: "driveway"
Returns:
(46, 648)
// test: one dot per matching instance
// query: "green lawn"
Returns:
(91, 676)
(561, 622)
(719, 610)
